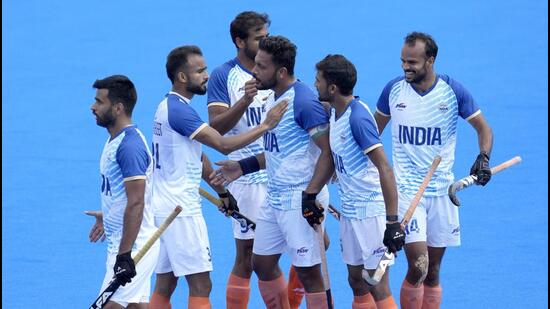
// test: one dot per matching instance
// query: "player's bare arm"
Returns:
(133, 215)
(325, 165)
(231, 170)
(227, 144)
(381, 121)
(223, 118)
(387, 180)
(484, 133)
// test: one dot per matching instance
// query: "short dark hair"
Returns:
(178, 58)
(245, 21)
(339, 71)
(282, 51)
(121, 89)
(431, 46)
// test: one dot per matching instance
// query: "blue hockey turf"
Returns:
(54, 50)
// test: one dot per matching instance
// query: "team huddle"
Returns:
(285, 144)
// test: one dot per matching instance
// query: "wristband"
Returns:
(249, 165)
(309, 196)
(224, 195)
(392, 218)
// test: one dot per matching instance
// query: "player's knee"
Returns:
(432, 278)
(418, 269)
(200, 288)
(357, 284)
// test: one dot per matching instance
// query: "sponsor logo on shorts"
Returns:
(456, 231)
(302, 251)
(378, 251)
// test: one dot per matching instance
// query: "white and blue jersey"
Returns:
(177, 157)
(423, 126)
(125, 157)
(225, 88)
(291, 155)
(352, 136)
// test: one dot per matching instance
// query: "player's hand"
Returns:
(275, 114)
(229, 203)
(394, 237)
(250, 90)
(481, 169)
(312, 212)
(97, 232)
(124, 268)
(229, 170)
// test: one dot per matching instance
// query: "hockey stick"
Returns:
(388, 256)
(114, 284)
(324, 265)
(470, 180)
(334, 212)
(242, 219)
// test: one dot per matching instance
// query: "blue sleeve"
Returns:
(182, 118)
(363, 127)
(466, 104)
(217, 86)
(308, 111)
(132, 156)
(383, 104)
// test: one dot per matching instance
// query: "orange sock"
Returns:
(432, 297)
(411, 297)
(199, 303)
(386, 303)
(159, 301)
(295, 289)
(317, 300)
(274, 293)
(363, 302)
(237, 293)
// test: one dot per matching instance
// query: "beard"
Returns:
(323, 97)
(197, 89)
(268, 84)
(107, 120)
(417, 76)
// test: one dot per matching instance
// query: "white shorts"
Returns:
(184, 247)
(279, 231)
(362, 241)
(139, 289)
(434, 221)
(250, 197)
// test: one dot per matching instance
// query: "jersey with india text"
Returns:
(125, 157)
(177, 157)
(423, 126)
(291, 155)
(352, 136)
(225, 88)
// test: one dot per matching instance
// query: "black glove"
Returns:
(125, 269)
(310, 211)
(232, 202)
(481, 169)
(394, 237)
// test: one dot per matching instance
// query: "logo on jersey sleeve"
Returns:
(419, 136)
(270, 142)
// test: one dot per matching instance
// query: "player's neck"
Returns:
(120, 123)
(180, 89)
(245, 61)
(426, 83)
(341, 102)
(282, 86)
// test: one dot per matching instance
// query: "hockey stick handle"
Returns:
(502, 166)
(157, 234)
(418, 196)
(324, 265)
(104, 297)
(235, 214)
